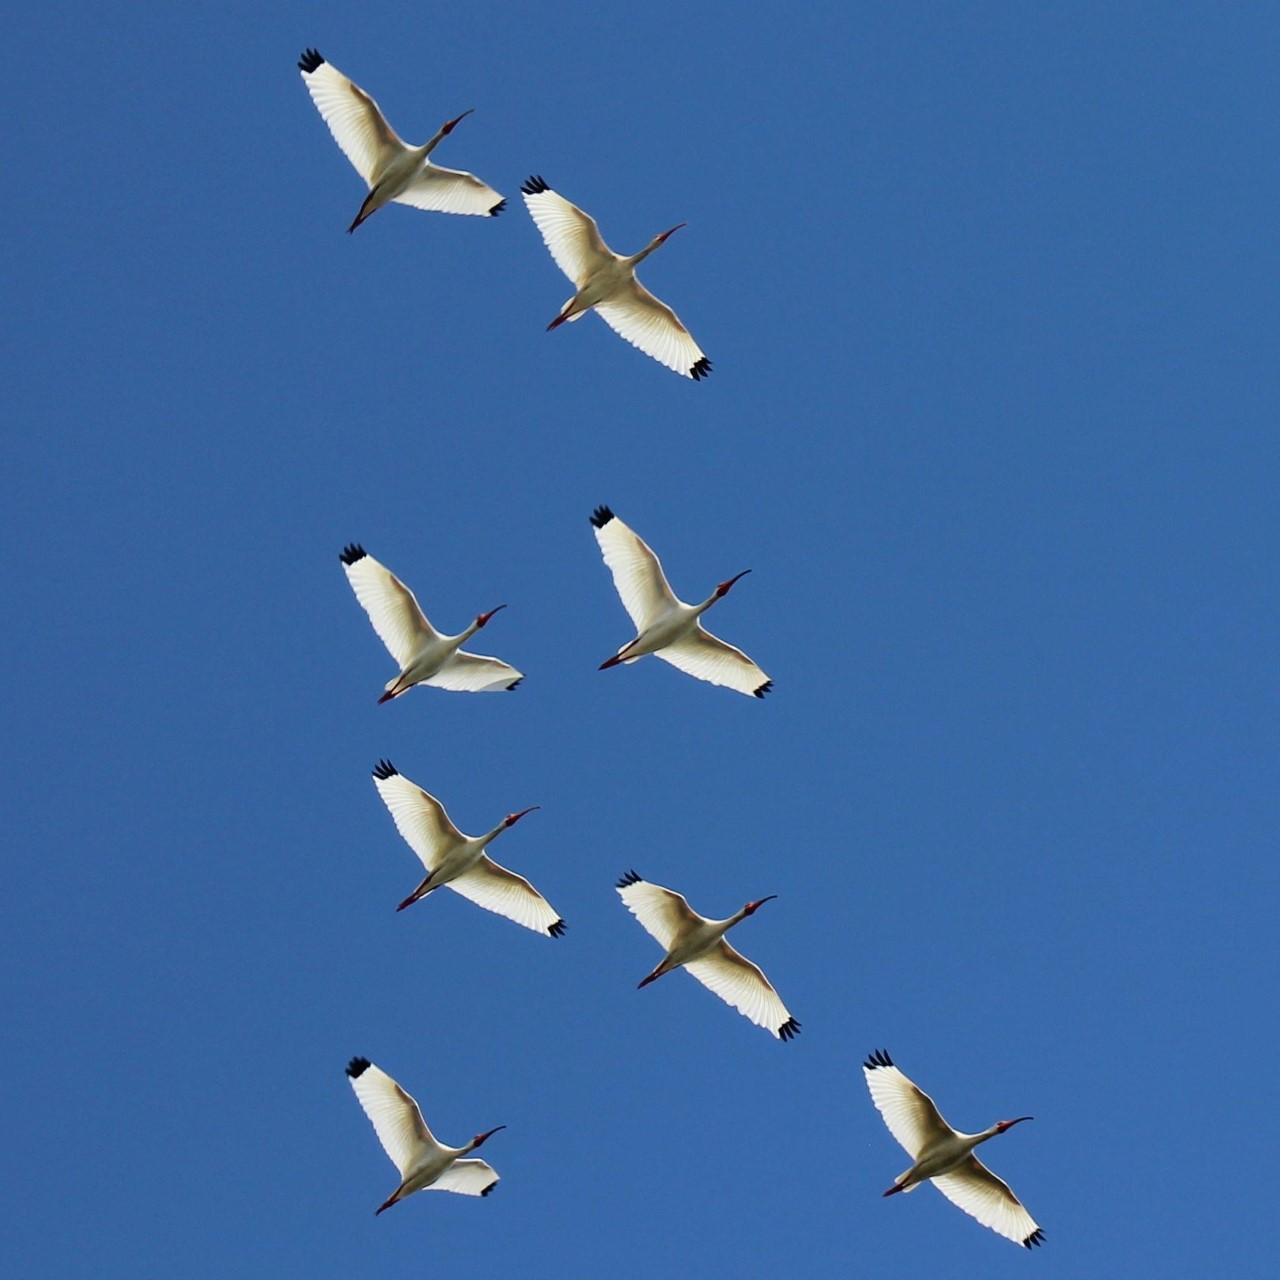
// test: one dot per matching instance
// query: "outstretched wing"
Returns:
(467, 1178)
(474, 673)
(649, 324)
(637, 572)
(909, 1112)
(729, 974)
(400, 623)
(419, 817)
(395, 1116)
(354, 119)
(496, 889)
(709, 658)
(451, 191)
(975, 1189)
(571, 235)
(663, 913)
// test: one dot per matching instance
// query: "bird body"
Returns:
(698, 944)
(425, 655)
(460, 861)
(392, 169)
(424, 1162)
(666, 625)
(606, 282)
(944, 1155)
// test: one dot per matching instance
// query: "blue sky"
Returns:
(990, 292)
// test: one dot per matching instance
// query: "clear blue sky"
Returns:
(991, 296)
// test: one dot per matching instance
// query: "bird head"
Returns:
(723, 588)
(484, 1137)
(512, 818)
(450, 125)
(752, 907)
(1002, 1125)
(662, 239)
(484, 617)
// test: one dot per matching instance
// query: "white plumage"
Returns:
(425, 1164)
(459, 861)
(425, 656)
(699, 945)
(393, 170)
(945, 1155)
(665, 625)
(607, 281)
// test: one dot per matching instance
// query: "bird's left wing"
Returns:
(975, 1189)
(709, 658)
(496, 889)
(572, 236)
(355, 120)
(451, 191)
(419, 817)
(648, 323)
(908, 1112)
(737, 981)
(467, 1178)
(475, 673)
(395, 1116)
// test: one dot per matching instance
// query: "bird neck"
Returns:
(428, 147)
(637, 258)
(490, 836)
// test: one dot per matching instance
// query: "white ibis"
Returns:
(667, 626)
(392, 170)
(460, 860)
(607, 281)
(424, 655)
(425, 1164)
(699, 945)
(945, 1155)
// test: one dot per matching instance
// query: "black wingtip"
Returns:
(557, 929)
(601, 517)
(534, 185)
(489, 1188)
(1036, 1237)
(493, 213)
(702, 369)
(789, 1030)
(628, 877)
(880, 1058)
(513, 684)
(764, 688)
(352, 552)
(310, 60)
(357, 1067)
(384, 769)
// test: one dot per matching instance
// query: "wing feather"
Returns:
(663, 913)
(440, 190)
(395, 1116)
(572, 236)
(467, 1178)
(975, 1189)
(637, 573)
(395, 614)
(355, 120)
(709, 658)
(474, 673)
(908, 1112)
(420, 818)
(496, 889)
(649, 324)
(728, 974)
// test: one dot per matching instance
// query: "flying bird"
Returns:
(945, 1155)
(460, 860)
(607, 281)
(424, 655)
(425, 1164)
(392, 170)
(666, 626)
(699, 945)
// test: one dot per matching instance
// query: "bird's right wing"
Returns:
(637, 572)
(355, 121)
(649, 324)
(395, 1116)
(662, 912)
(467, 1178)
(441, 190)
(908, 1112)
(475, 673)
(400, 623)
(975, 1189)
(496, 889)
(420, 818)
(707, 657)
(571, 235)
(737, 981)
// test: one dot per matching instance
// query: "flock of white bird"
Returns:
(666, 626)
